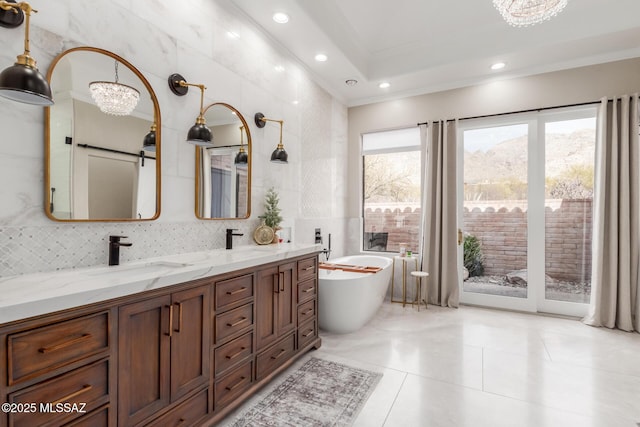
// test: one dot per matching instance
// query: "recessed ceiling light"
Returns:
(295, 102)
(281, 17)
(498, 66)
(321, 57)
(351, 82)
(279, 68)
(384, 85)
(233, 35)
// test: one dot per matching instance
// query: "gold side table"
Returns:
(405, 260)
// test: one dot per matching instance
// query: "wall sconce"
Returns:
(149, 141)
(278, 155)
(199, 134)
(22, 81)
(241, 158)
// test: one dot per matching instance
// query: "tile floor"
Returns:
(481, 367)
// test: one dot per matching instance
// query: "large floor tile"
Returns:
(425, 402)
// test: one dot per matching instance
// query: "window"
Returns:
(391, 190)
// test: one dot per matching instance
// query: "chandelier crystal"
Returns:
(114, 98)
(522, 13)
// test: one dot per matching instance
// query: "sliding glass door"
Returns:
(526, 187)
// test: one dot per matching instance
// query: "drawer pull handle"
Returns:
(306, 291)
(308, 312)
(85, 388)
(181, 422)
(233, 356)
(231, 325)
(237, 291)
(277, 356)
(307, 334)
(309, 268)
(64, 344)
(236, 385)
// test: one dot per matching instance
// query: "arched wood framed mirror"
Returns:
(223, 172)
(101, 163)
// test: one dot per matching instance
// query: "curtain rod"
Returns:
(522, 111)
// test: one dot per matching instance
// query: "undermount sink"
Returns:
(130, 270)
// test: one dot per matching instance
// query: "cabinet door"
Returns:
(286, 314)
(267, 287)
(143, 359)
(190, 340)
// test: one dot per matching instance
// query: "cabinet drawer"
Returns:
(37, 351)
(232, 352)
(307, 268)
(307, 333)
(232, 385)
(86, 388)
(98, 418)
(274, 356)
(233, 290)
(185, 414)
(306, 290)
(306, 311)
(233, 321)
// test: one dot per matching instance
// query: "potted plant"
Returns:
(271, 216)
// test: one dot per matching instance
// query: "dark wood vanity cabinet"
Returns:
(183, 355)
(163, 352)
(59, 370)
(276, 304)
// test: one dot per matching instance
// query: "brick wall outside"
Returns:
(501, 227)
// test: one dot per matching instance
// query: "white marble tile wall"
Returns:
(160, 39)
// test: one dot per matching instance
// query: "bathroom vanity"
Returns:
(177, 340)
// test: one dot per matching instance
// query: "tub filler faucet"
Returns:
(327, 251)
(114, 249)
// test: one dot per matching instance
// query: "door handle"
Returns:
(179, 304)
(460, 237)
(282, 282)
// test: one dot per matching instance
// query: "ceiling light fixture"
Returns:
(498, 66)
(281, 17)
(384, 85)
(321, 57)
(522, 13)
(233, 35)
(278, 155)
(22, 81)
(114, 98)
(199, 134)
(351, 82)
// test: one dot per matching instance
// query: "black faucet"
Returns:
(114, 249)
(230, 234)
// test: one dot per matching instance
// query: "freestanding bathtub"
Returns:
(348, 300)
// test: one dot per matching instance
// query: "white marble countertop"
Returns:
(31, 295)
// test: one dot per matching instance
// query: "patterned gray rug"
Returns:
(320, 393)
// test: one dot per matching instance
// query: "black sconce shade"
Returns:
(279, 155)
(200, 134)
(149, 141)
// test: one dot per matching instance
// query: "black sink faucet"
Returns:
(230, 234)
(114, 249)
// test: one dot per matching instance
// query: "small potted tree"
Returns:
(271, 216)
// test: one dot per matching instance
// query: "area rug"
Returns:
(319, 393)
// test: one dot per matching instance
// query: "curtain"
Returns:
(439, 240)
(615, 300)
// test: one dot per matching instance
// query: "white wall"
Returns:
(572, 86)
(161, 38)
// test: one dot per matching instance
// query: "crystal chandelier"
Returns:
(113, 97)
(522, 13)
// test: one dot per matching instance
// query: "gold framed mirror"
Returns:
(102, 147)
(223, 172)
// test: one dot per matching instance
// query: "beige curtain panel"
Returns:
(439, 243)
(615, 296)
